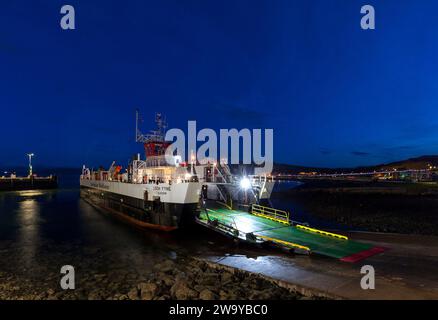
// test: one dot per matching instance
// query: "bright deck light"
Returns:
(245, 184)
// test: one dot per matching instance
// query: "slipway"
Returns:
(263, 225)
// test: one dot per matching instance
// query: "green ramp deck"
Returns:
(346, 250)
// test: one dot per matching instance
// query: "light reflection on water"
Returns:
(30, 193)
(28, 216)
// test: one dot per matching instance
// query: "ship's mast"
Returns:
(154, 135)
(153, 142)
(136, 125)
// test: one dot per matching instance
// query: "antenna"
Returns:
(139, 137)
(161, 125)
(154, 135)
(136, 125)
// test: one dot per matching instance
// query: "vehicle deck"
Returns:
(288, 235)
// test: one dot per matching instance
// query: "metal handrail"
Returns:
(270, 213)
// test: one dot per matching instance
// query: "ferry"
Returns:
(161, 191)
(152, 193)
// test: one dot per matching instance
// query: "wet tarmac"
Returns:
(406, 270)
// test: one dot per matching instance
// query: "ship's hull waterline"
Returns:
(160, 207)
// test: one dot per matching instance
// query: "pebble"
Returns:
(184, 278)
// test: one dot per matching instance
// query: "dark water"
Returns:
(297, 212)
(42, 230)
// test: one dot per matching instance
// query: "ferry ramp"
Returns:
(282, 233)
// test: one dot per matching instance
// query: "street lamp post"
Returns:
(30, 155)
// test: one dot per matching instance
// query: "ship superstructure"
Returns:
(237, 187)
(150, 193)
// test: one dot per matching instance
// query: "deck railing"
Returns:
(270, 213)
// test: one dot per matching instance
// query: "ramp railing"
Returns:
(270, 213)
(226, 197)
(224, 172)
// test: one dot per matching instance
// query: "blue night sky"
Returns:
(334, 94)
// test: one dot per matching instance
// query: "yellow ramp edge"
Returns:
(330, 234)
(286, 243)
(270, 218)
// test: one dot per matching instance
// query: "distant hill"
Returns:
(414, 163)
(422, 162)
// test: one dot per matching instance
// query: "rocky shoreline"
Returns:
(182, 278)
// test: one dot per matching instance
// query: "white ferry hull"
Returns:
(159, 206)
